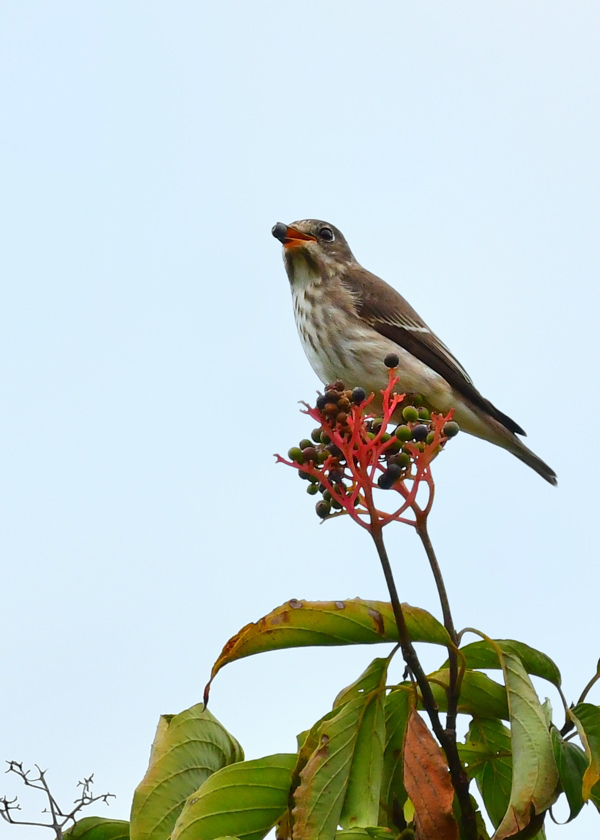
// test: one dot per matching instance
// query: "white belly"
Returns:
(355, 355)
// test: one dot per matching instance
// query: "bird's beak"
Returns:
(290, 237)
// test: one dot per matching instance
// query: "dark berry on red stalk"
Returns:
(388, 478)
(332, 395)
(310, 454)
(333, 450)
(359, 395)
(392, 360)
(304, 443)
(451, 429)
(323, 509)
(420, 432)
(335, 476)
(295, 454)
(321, 401)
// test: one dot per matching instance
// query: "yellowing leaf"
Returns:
(244, 800)
(587, 719)
(535, 775)
(187, 749)
(317, 623)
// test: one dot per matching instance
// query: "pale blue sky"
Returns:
(146, 150)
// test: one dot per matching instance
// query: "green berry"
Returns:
(322, 456)
(304, 475)
(430, 437)
(316, 435)
(325, 438)
(323, 509)
(402, 459)
(312, 489)
(410, 414)
(336, 505)
(295, 454)
(423, 413)
(305, 443)
(451, 429)
(418, 400)
(385, 437)
(395, 446)
(404, 433)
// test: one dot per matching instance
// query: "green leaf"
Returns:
(187, 749)
(587, 719)
(398, 705)
(319, 797)
(483, 655)
(372, 678)
(318, 623)
(375, 832)
(361, 804)
(535, 775)
(244, 800)
(480, 696)
(572, 763)
(98, 828)
(487, 754)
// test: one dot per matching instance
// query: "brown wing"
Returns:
(386, 311)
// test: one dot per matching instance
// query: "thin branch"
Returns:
(446, 737)
(454, 682)
(60, 818)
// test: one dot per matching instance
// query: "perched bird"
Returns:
(349, 320)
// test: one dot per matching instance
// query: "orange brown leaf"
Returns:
(427, 782)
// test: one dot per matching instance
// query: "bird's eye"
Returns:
(327, 234)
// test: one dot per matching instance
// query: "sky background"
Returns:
(150, 364)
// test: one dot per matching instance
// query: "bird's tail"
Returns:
(528, 457)
(491, 429)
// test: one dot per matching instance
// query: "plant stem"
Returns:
(453, 686)
(446, 737)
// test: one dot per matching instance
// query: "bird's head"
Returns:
(312, 245)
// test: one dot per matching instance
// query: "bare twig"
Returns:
(59, 819)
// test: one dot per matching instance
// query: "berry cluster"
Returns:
(352, 453)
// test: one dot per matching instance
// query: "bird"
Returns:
(349, 320)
